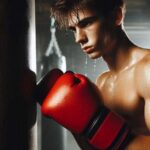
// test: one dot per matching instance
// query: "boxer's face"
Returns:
(89, 32)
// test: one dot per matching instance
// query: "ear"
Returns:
(119, 16)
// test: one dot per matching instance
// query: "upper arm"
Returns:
(143, 87)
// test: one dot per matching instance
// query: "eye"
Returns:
(85, 24)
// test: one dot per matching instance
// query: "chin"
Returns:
(94, 55)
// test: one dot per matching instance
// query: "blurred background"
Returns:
(56, 48)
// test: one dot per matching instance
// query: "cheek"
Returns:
(107, 34)
(94, 37)
(104, 40)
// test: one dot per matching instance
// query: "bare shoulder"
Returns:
(142, 75)
(101, 79)
(144, 64)
(142, 82)
(146, 59)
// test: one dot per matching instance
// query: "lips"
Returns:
(88, 49)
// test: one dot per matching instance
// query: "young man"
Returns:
(98, 28)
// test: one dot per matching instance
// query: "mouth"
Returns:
(88, 49)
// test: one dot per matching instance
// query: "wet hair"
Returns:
(62, 10)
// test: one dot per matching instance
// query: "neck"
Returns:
(120, 55)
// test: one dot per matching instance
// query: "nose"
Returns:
(80, 36)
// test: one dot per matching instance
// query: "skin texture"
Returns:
(125, 86)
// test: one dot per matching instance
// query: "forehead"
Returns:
(75, 17)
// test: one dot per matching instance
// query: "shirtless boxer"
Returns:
(98, 28)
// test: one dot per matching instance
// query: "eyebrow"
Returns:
(83, 21)
(88, 19)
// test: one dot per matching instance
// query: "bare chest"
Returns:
(119, 93)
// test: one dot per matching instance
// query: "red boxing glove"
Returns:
(74, 103)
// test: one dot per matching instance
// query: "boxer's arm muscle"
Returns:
(143, 87)
(146, 94)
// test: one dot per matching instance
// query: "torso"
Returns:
(119, 93)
